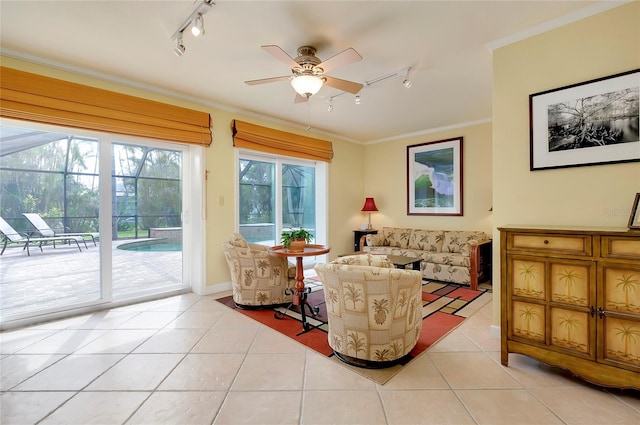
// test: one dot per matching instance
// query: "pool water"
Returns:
(151, 246)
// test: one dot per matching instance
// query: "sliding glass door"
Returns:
(120, 204)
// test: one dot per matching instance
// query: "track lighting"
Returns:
(179, 49)
(358, 100)
(195, 21)
(197, 29)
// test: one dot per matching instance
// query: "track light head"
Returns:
(179, 49)
(197, 27)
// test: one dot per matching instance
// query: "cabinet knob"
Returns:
(546, 242)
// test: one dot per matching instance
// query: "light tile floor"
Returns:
(190, 360)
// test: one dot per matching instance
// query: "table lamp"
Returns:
(369, 207)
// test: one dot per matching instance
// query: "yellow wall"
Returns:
(385, 178)
(601, 45)
(345, 172)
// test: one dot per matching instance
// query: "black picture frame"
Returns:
(591, 123)
(634, 218)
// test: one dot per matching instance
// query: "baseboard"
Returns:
(217, 287)
(495, 331)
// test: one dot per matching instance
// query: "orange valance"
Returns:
(32, 97)
(263, 139)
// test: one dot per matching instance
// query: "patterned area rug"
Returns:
(444, 307)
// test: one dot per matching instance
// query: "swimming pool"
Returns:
(152, 246)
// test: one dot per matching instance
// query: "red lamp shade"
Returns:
(369, 205)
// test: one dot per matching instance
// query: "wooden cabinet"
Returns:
(571, 298)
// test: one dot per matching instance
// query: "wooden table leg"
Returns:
(299, 286)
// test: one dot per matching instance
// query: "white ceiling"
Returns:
(444, 42)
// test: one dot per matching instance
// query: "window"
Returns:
(279, 193)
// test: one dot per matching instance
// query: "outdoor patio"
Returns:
(62, 276)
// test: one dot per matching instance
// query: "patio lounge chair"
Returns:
(45, 231)
(11, 235)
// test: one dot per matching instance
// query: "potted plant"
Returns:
(296, 239)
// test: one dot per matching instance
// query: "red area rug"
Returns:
(445, 307)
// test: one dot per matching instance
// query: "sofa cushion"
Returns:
(375, 240)
(458, 241)
(396, 236)
(426, 240)
(447, 258)
(238, 240)
(365, 260)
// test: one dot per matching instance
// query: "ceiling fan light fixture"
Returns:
(307, 85)
(197, 28)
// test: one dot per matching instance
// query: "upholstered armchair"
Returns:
(374, 312)
(258, 278)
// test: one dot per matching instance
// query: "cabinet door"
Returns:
(527, 290)
(572, 306)
(619, 317)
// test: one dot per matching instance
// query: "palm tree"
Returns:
(528, 272)
(627, 334)
(401, 302)
(569, 276)
(332, 295)
(382, 355)
(627, 283)
(356, 344)
(353, 294)
(528, 313)
(262, 265)
(569, 322)
(396, 349)
(262, 297)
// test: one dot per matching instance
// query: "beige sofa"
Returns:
(457, 256)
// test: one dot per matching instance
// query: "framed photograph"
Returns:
(434, 178)
(591, 123)
(634, 218)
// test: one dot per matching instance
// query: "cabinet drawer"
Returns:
(565, 244)
(620, 247)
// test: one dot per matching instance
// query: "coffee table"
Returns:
(401, 261)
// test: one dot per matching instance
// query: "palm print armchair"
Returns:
(374, 313)
(258, 278)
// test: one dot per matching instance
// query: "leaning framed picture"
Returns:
(634, 218)
(434, 178)
(590, 123)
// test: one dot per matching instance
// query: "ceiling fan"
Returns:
(308, 71)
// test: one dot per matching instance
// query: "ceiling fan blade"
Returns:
(267, 80)
(281, 55)
(300, 99)
(341, 59)
(344, 85)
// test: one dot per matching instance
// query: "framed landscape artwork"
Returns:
(591, 123)
(434, 178)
